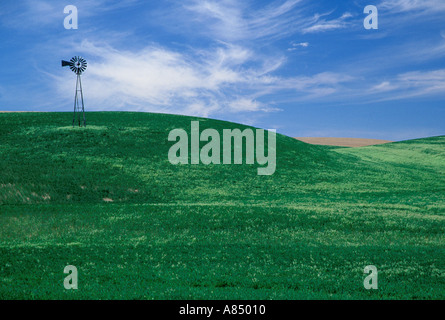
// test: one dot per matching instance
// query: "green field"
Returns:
(106, 199)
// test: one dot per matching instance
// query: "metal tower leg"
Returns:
(75, 100)
(78, 117)
(83, 107)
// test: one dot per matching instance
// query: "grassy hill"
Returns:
(106, 199)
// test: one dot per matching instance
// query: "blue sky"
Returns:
(303, 67)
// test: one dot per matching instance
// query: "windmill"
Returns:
(77, 65)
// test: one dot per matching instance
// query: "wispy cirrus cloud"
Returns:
(234, 20)
(158, 79)
(402, 86)
(296, 45)
(322, 25)
(249, 104)
(321, 83)
(31, 14)
(413, 5)
(231, 20)
(418, 83)
(204, 83)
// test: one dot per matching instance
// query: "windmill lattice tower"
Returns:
(78, 65)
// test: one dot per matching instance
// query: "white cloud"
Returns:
(158, 79)
(406, 85)
(384, 86)
(423, 82)
(31, 14)
(322, 25)
(324, 80)
(228, 79)
(295, 46)
(413, 5)
(244, 104)
(231, 20)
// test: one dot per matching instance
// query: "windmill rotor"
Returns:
(77, 64)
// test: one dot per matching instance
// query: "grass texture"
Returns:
(106, 199)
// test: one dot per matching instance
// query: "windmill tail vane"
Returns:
(78, 65)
